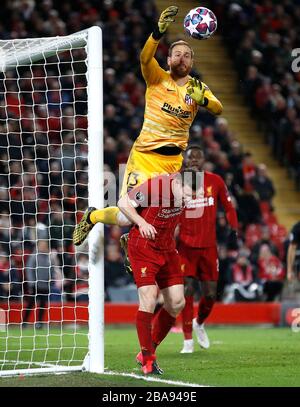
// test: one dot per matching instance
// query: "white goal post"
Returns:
(51, 124)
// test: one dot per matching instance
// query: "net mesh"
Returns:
(43, 191)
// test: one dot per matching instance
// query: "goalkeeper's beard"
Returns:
(180, 70)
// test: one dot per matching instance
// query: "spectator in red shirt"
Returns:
(249, 171)
(241, 283)
(271, 272)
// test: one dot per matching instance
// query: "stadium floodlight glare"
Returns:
(51, 154)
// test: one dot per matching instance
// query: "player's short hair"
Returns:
(194, 147)
(180, 42)
(190, 177)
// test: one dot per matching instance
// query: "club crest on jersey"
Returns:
(188, 100)
(209, 191)
(143, 271)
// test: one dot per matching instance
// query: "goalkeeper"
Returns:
(172, 101)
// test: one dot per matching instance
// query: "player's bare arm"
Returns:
(126, 207)
(149, 66)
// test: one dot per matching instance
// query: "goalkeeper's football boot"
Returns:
(201, 334)
(151, 367)
(124, 243)
(83, 228)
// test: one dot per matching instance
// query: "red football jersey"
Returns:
(154, 201)
(198, 220)
(271, 269)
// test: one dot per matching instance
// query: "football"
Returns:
(200, 23)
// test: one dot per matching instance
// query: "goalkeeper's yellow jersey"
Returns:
(169, 110)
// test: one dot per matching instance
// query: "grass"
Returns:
(237, 357)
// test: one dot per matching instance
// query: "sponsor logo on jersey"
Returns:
(201, 202)
(176, 111)
(169, 213)
(188, 100)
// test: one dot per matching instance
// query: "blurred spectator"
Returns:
(293, 254)
(262, 184)
(10, 280)
(81, 287)
(236, 154)
(246, 200)
(222, 133)
(224, 263)
(241, 283)
(114, 268)
(249, 171)
(4, 278)
(118, 284)
(270, 272)
(42, 275)
(264, 240)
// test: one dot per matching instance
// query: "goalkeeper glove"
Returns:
(196, 91)
(165, 19)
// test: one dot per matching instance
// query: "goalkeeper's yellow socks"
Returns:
(108, 216)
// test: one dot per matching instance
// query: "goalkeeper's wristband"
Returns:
(205, 102)
(156, 34)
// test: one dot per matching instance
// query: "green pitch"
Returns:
(237, 357)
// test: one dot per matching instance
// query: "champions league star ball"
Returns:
(200, 23)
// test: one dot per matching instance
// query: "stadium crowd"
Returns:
(39, 179)
(260, 36)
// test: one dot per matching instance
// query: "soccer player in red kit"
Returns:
(155, 208)
(198, 248)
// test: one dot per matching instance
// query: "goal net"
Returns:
(51, 169)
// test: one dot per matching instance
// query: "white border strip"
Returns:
(154, 379)
(27, 362)
(48, 368)
(57, 369)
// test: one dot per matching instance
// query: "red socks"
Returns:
(205, 307)
(187, 317)
(162, 323)
(143, 327)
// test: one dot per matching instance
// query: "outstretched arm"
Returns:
(150, 68)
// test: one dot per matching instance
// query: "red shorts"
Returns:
(200, 263)
(152, 266)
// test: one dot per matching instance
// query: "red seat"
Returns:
(252, 235)
(265, 207)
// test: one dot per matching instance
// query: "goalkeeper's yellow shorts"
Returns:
(148, 164)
